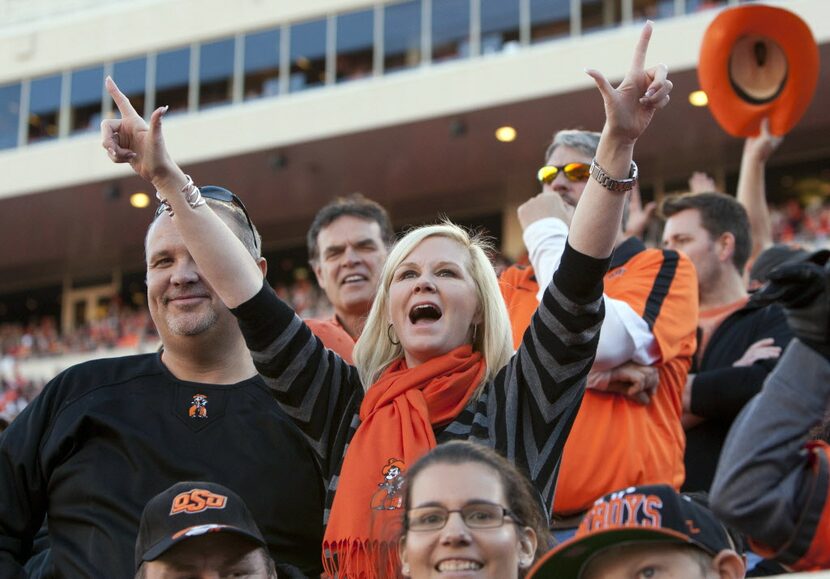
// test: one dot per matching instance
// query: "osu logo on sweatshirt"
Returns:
(196, 501)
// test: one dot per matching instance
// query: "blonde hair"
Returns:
(374, 351)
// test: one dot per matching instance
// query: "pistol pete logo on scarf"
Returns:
(388, 497)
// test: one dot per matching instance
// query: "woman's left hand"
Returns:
(630, 107)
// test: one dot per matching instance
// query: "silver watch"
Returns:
(616, 185)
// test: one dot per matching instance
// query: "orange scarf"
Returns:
(397, 417)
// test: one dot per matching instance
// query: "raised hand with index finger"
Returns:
(630, 107)
(132, 140)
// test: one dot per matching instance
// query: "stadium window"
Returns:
(355, 43)
(85, 100)
(216, 73)
(262, 64)
(597, 15)
(499, 25)
(9, 115)
(307, 55)
(551, 18)
(401, 35)
(44, 108)
(450, 29)
(172, 76)
(652, 9)
(698, 5)
(131, 77)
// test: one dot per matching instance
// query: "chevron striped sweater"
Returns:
(525, 413)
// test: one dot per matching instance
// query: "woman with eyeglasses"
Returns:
(434, 361)
(469, 510)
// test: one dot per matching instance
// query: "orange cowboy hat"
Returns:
(758, 62)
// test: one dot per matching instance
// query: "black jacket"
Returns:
(106, 436)
(720, 390)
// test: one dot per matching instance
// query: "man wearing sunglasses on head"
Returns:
(627, 431)
(106, 436)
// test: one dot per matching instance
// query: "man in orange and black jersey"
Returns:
(628, 430)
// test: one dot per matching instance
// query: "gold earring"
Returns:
(389, 331)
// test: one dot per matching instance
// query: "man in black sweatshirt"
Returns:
(106, 436)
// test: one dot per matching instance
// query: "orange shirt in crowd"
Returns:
(333, 336)
(616, 442)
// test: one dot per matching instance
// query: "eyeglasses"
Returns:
(573, 172)
(220, 194)
(474, 515)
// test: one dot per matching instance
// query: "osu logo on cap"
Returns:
(196, 501)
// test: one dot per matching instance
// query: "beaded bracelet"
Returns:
(191, 194)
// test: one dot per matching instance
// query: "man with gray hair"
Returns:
(105, 436)
(628, 430)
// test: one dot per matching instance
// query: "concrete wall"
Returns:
(424, 92)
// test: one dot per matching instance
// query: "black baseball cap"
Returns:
(644, 514)
(191, 509)
(771, 258)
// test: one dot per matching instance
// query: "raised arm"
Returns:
(536, 396)
(629, 109)
(222, 258)
(313, 385)
(752, 189)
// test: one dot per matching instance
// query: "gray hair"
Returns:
(583, 141)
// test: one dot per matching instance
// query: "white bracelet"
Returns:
(191, 194)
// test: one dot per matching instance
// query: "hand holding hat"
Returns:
(758, 62)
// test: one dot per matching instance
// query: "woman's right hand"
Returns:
(131, 140)
(630, 107)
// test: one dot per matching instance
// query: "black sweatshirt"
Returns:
(721, 390)
(106, 436)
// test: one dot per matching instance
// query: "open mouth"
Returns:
(457, 565)
(354, 278)
(424, 312)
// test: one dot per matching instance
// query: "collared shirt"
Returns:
(334, 337)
